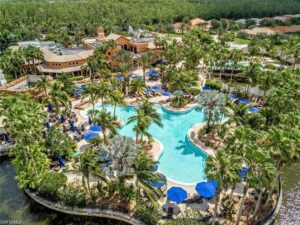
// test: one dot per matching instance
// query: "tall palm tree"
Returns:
(104, 89)
(137, 86)
(235, 56)
(43, 86)
(91, 92)
(108, 123)
(116, 98)
(58, 97)
(145, 60)
(125, 70)
(252, 72)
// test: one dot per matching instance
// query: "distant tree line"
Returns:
(69, 19)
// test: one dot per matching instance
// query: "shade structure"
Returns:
(6, 138)
(165, 93)
(244, 101)
(95, 128)
(47, 125)
(207, 88)
(120, 78)
(206, 189)
(214, 183)
(50, 107)
(176, 194)
(253, 110)
(155, 87)
(243, 173)
(62, 119)
(90, 120)
(90, 135)
(78, 91)
(72, 127)
(178, 92)
(153, 73)
(60, 162)
(232, 96)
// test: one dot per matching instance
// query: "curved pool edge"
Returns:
(177, 111)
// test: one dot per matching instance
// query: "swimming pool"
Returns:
(180, 161)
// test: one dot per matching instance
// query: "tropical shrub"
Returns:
(51, 183)
(73, 194)
(214, 84)
(147, 214)
(59, 144)
(190, 217)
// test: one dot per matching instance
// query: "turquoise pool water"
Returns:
(180, 161)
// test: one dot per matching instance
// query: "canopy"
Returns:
(155, 87)
(90, 120)
(62, 119)
(232, 96)
(60, 162)
(176, 194)
(50, 107)
(253, 110)
(95, 128)
(90, 135)
(78, 91)
(244, 101)
(120, 78)
(72, 127)
(153, 73)
(206, 189)
(165, 93)
(207, 88)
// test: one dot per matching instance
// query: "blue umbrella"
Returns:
(6, 138)
(83, 86)
(50, 107)
(78, 91)
(60, 162)
(232, 96)
(47, 125)
(156, 184)
(253, 110)
(207, 88)
(152, 73)
(243, 173)
(214, 183)
(156, 87)
(95, 128)
(176, 194)
(120, 78)
(244, 101)
(90, 135)
(62, 119)
(148, 90)
(206, 189)
(165, 93)
(178, 92)
(155, 168)
(90, 120)
(72, 127)
(102, 155)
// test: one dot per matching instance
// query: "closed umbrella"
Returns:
(95, 128)
(72, 127)
(90, 120)
(60, 162)
(206, 189)
(62, 119)
(176, 194)
(50, 107)
(6, 138)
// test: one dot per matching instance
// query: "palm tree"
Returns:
(235, 56)
(145, 60)
(104, 90)
(91, 92)
(58, 97)
(267, 79)
(252, 72)
(212, 103)
(125, 70)
(116, 98)
(107, 122)
(43, 85)
(137, 86)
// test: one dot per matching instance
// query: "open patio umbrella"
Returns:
(60, 162)
(6, 138)
(72, 127)
(243, 173)
(253, 110)
(176, 194)
(244, 101)
(90, 135)
(62, 119)
(214, 183)
(95, 128)
(165, 93)
(155, 87)
(232, 96)
(157, 184)
(120, 78)
(153, 73)
(206, 189)
(90, 120)
(207, 88)
(78, 91)
(148, 90)
(50, 107)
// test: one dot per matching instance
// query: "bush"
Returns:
(74, 194)
(76, 78)
(190, 217)
(214, 84)
(146, 214)
(51, 183)
(194, 91)
(59, 144)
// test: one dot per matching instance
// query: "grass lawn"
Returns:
(241, 41)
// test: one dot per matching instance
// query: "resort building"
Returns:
(259, 30)
(196, 23)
